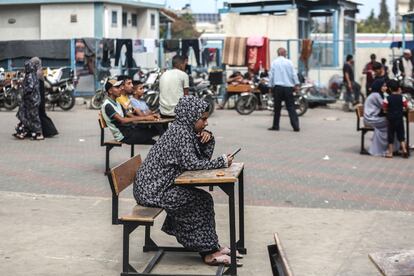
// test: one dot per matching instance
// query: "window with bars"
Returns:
(124, 19)
(152, 21)
(134, 20)
(114, 18)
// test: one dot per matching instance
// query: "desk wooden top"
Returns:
(160, 121)
(231, 175)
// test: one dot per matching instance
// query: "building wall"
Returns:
(275, 27)
(27, 25)
(145, 30)
(130, 31)
(401, 7)
(112, 30)
(272, 26)
(55, 21)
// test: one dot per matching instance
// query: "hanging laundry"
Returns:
(128, 55)
(257, 57)
(306, 51)
(108, 50)
(138, 46)
(255, 41)
(171, 45)
(150, 44)
(234, 52)
(193, 43)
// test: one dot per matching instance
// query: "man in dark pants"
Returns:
(284, 80)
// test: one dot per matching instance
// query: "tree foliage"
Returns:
(184, 27)
(376, 25)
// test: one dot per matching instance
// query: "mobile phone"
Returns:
(235, 152)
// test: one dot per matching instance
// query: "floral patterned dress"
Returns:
(28, 113)
(190, 211)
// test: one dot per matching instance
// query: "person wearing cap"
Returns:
(122, 126)
(403, 66)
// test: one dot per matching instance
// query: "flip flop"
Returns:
(222, 260)
(227, 251)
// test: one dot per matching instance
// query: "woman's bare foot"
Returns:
(388, 154)
(215, 258)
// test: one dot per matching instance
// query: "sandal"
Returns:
(19, 136)
(222, 260)
(225, 250)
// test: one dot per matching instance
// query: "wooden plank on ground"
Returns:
(394, 263)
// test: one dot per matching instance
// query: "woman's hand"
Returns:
(229, 160)
(204, 136)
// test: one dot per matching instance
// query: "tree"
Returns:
(384, 16)
(184, 27)
(376, 25)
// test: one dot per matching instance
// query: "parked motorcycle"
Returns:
(201, 89)
(11, 91)
(59, 90)
(99, 97)
(248, 102)
(152, 89)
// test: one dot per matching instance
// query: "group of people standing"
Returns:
(33, 120)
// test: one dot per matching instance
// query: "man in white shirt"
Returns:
(173, 85)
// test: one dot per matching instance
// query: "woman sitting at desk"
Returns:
(185, 146)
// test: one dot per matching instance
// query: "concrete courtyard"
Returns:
(330, 205)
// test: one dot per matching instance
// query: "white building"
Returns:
(401, 7)
(65, 19)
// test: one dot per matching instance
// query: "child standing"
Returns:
(394, 106)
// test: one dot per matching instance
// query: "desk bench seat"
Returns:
(359, 110)
(109, 144)
(142, 214)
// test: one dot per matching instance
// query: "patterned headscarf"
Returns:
(188, 110)
(38, 63)
(30, 67)
(30, 82)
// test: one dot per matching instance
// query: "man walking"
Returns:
(173, 85)
(353, 89)
(283, 80)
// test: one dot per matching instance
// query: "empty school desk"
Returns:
(226, 179)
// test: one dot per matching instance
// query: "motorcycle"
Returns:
(201, 88)
(152, 89)
(59, 91)
(11, 92)
(99, 97)
(248, 101)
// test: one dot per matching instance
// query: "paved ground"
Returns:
(66, 235)
(54, 197)
(282, 168)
